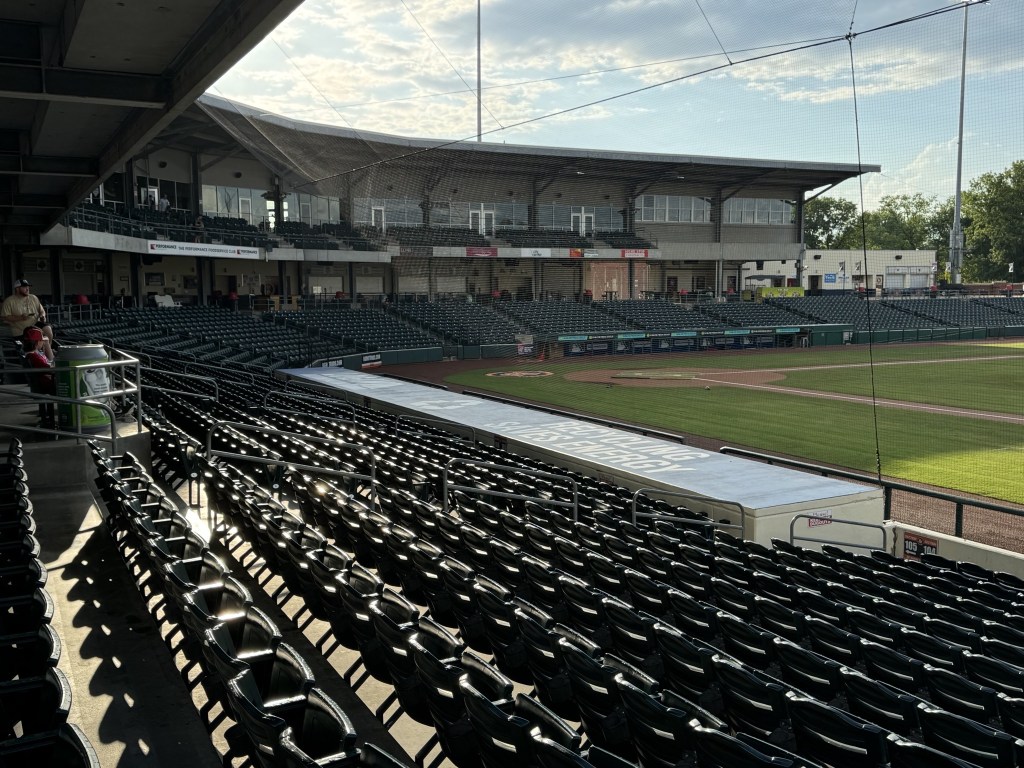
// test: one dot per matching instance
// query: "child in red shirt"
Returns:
(39, 355)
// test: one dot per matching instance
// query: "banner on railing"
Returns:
(213, 250)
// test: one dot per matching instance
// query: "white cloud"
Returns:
(367, 63)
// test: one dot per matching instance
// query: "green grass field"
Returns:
(965, 453)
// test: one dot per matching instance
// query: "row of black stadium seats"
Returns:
(401, 610)
(367, 519)
(263, 682)
(35, 695)
(391, 615)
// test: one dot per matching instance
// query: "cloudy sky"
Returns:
(733, 78)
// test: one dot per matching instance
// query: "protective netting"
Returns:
(615, 271)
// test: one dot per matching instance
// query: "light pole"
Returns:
(479, 96)
(956, 236)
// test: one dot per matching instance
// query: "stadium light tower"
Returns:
(956, 235)
(479, 96)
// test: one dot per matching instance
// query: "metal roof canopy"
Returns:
(285, 146)
(85, 85)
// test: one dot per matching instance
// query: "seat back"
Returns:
(746, 642)
(753, 702)
(910, 754)
(932, 650)
(504, 739)
(716, 749)
(322, 735)
(808, 671)
(661, 725)
(833, 737)
(956, 694)
(968, 740)
(891, 667)
(687, 662)
(881, 704)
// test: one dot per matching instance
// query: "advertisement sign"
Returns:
(535, 253)
(371, 360)
(416, 251)
(830, 277)
(820, 517)
(790, 291)
(575, 253)
(481, 251)
(171, 248)
(915, 546)
(633, 253)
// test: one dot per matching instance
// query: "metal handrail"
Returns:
(804, 515)
(209, 379)
(286, 411)
(445, 422)
(242, 427)
(574, 504)
(221, 370)
(309, 398)
(43, 398)
(887, 486)
(742, 526)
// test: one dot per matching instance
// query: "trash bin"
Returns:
(74, 380)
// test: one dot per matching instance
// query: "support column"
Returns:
(202, 290)
(195, 188)
(56, 276)
(134, 266)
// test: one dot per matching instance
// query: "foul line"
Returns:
(861, 399)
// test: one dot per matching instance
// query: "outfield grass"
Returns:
(984, 385)
(966, 454)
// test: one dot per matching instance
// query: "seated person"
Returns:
(23, 309)
(39, 355)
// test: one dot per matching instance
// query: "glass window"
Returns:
(761, 211)
(227, 201)
(209, 199)
(182, 196)
(757, 211)
(441, 213)
(321, 212)
(290, 207)
(561, 217)
(460, 214)
(504, 214)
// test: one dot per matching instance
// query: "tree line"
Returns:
(992, 217)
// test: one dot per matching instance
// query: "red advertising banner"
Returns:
(575, 253)
(634, 253)
(486, 251)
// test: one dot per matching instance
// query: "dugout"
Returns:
(828, 335)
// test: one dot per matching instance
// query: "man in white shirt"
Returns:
(22, 310)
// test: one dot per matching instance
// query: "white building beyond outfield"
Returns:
(825, 270)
